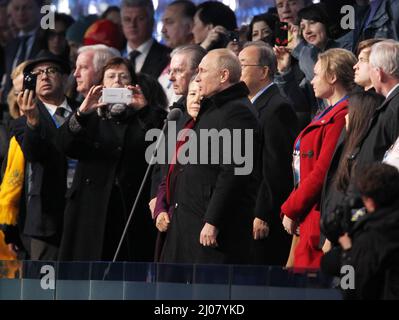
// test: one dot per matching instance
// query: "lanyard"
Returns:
(327, 110)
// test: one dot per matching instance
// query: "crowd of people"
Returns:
(320, 108)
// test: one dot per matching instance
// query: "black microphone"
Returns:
(173, 115)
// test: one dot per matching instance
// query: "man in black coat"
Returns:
(47, 168)
(279, 128)
(213, 199)
(146, 54)
(384, 125)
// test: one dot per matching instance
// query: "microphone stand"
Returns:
(161, 137)
(172, 116)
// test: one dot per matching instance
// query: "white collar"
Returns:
(260, 92)
(392, 90)
(144, 48)
(29, 33)
(51, 107)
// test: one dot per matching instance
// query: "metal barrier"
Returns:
(26, 280)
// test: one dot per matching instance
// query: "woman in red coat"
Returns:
(313, 150)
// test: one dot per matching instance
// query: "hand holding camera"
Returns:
(113, 98)
(283, 47)
(138, 100)
(283, 56)
(92, 100)
(26, 100)
(131, 96)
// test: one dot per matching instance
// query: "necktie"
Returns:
(22, 49)
(60, 115)
(132, 56)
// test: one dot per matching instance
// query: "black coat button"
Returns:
(119, 148)
(87, 181)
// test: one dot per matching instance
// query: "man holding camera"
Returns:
(371, 245)
(46, 108)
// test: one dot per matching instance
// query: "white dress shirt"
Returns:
(144, 50)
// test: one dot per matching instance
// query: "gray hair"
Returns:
(385, 55)
(228, 60)
(194, 52)
(102, 54)
(267, 57)
(147, 4)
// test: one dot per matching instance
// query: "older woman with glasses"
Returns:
(110, 146)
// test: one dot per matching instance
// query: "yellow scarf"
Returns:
(11, 187)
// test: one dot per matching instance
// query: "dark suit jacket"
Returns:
(383, 131)
(45, 178)
(157, 60)
(279, 129)
(279, 126)
(2, 62)
(10, 53)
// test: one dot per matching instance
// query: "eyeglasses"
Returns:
(50, 71)
(121, 76)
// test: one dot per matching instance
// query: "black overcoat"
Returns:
(214, 193)
(111, 166)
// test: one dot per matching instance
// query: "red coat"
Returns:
(317, 146)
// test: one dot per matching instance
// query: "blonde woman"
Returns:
(313, 150)
(12, 182)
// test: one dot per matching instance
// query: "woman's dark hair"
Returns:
(316, 12)
(361, 107)
(117, 61)
(67, 20)
(152, 91)
(270, 19)
(109, 10)
(218, 14)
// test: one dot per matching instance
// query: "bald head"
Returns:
(218, 70)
